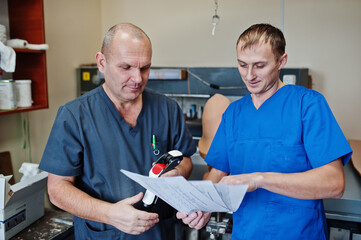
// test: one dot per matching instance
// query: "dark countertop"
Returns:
(55, 225)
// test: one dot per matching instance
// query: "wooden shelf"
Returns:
(25, 50)
(26, 21)
(21, 109)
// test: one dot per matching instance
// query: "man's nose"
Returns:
(250, 74)
(137, 76)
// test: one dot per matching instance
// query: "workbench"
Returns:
(344, 214)
(347, 208)
(54, 225)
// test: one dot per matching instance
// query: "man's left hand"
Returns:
(172, 173)
(253, 180)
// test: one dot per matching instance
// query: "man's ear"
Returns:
(100, 59)
(283, 61)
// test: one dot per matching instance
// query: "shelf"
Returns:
(26, 50)
(26, 21)
(21, 109)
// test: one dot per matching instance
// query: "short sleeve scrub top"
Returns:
(90, 140)
(293, 131)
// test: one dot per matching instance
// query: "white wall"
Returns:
(181, 30)
(325, 36)
(322, 35)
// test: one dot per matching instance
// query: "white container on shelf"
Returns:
(7, 95)
(23, 93)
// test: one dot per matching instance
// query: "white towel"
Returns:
(7, 58)
(28, 170)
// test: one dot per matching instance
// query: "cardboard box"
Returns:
(21, 204)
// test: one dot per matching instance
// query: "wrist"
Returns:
(178, 170)
(107, 212)
(261, 180)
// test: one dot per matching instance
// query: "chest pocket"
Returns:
(161, 147)
(267, 156)
(250, 156)
(288, 158)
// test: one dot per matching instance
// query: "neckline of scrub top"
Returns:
(267, 100)
(113, 109)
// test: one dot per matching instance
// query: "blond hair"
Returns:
(263, 33)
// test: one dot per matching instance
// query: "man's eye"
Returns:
(125, 67)
(145, 68)
(260, 66)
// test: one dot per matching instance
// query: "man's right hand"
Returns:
(195, 220)
(126, 218)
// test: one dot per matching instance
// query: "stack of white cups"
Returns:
(23, 93)
(15, 94)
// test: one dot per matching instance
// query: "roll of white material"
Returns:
(17, 43)
(20, 43)
(37, 46)
(23, 93)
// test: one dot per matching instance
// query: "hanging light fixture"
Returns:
(215, 18)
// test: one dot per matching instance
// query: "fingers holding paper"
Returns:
(253, 180)
(183, 169)
(195, 220)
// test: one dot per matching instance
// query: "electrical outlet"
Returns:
(289, 79)
(15, 220)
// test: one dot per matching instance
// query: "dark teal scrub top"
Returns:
(293, 131)
(90, 140)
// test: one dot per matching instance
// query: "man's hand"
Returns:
(172, 173)
(126, 218)
(121, 215)
(253, 180)
(183, 169)
(195, 220)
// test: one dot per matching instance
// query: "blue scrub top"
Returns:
(91, 140)
(292, 131)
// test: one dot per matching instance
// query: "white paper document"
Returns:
(191, 196)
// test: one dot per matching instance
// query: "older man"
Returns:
(108, 129)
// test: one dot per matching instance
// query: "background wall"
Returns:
(322, 35)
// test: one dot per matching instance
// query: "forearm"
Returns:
(327, 181)
(215, 175)
(324, 182)
(69, 198)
